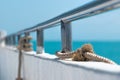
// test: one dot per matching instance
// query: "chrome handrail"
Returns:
(93, 8)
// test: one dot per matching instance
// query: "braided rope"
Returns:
(94, 57)
(64, 55)
(85, 53)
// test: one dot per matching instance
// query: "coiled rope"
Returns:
(85, 53)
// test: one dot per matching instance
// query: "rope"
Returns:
(19, 66)
(85, 53)
(24, 44)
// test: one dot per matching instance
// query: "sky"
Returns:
(16, 15)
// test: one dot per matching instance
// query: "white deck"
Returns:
(48, 67)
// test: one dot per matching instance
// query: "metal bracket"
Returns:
(40, 42)
(66, 36)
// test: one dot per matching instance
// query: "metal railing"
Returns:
(65, 19)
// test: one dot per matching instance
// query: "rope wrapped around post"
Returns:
(85, 53)
(24, 44)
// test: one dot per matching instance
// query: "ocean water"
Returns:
(109, 49)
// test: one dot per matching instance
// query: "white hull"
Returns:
(47, 67)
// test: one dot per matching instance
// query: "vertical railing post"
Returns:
(40, 42)
(10, 41)
(14, 40)
(19, 36)
(6, 41)
(27, 34)
(66, 36)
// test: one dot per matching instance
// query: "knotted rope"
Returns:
(85, 53)
(24, 44)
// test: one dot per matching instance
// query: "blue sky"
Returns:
(16, 15)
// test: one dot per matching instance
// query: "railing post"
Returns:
(40, 42)
(14, 40)
(6, 41)
(19, 36)
(27, 34)
(11, 41)
(66, 36)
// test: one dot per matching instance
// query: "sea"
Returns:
(108, 49)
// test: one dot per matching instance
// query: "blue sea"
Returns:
(109, 49)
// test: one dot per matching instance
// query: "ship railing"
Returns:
(90, 9)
